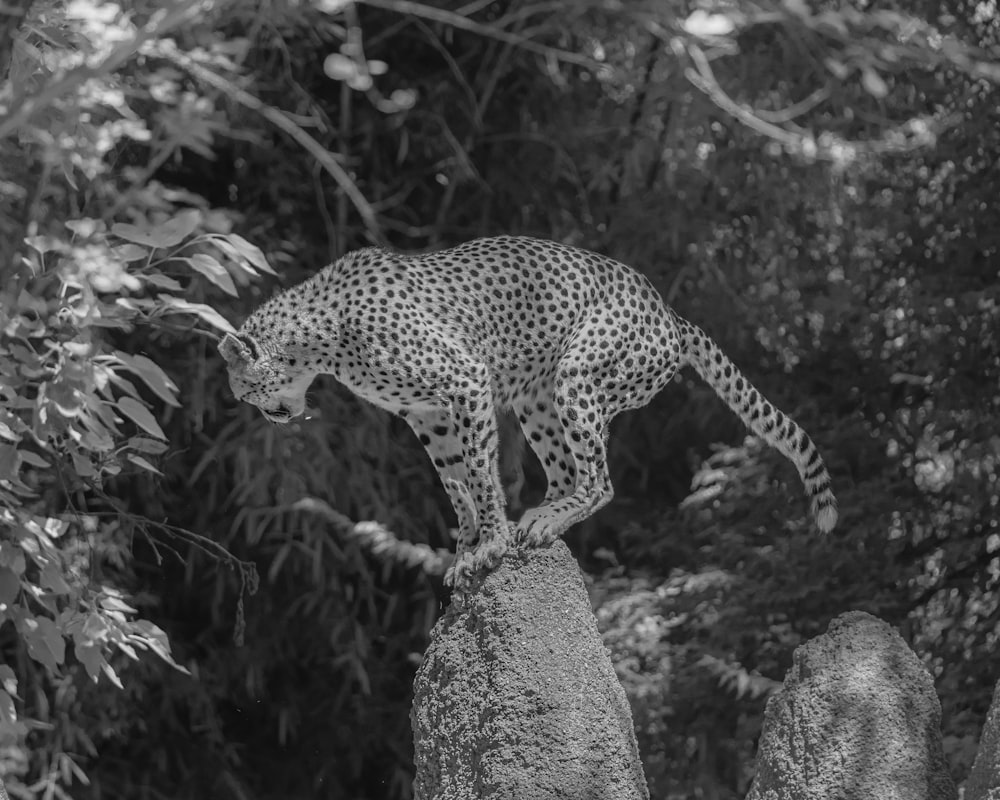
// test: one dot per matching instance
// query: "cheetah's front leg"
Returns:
(438, 433)
(475, 421)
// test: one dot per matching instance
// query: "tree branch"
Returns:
(911, 135)
(464, 23)
(281, 121)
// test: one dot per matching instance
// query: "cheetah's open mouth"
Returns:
(282, 414)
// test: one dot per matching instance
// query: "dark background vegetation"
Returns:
(813, 183)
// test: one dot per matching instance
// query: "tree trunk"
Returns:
(517, 698)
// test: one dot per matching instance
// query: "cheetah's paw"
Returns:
(461, 572)
(472, 563)
(537, 529)
(489, 554)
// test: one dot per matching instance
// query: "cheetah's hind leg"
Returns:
(585, 425)
(475, 417)
(544, 434)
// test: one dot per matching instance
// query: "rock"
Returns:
(857, 718)
(984, 780)
(517, 699)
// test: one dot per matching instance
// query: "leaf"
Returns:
(179, 227)
(44, 244)
(832, 19)
(55, 527)
(332, 6)
(83, 467)
(250, 252)
(153, 637)
(8, 715)
(95, 629)
(10, 461)
(403, 99)
(130, 252)
(140, 415)
(110, 602)
(873, 83)
(162, 282)
(99, 440)
(133, 233)
(51, 578)
(86, 226)
(339, 67)
(701, 23)
(91, 657)
(144, 445)
(128, 650)
(45, 643)
(12, 556)
(167, 234)
(33, 459)
(112, 675)
(212, 270)
(210, 315)
(152, 375)
(140, 461)
(8, 679)
(798, 7)
(9, 586)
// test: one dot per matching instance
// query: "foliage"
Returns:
(812, 184)
(75, 419)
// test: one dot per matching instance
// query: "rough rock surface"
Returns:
(857, 718)
(517, 697)
(984, 780)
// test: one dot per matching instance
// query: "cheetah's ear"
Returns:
(238, 349)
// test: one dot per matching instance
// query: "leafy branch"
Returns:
(379, 540)
(283, 122)
(911, 135)
(462, 22)
(160, 23)
(852, 41)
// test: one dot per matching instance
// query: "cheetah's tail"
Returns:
(777, 429)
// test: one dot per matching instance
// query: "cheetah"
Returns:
(565, 338)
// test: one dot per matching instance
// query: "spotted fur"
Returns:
(566, 338)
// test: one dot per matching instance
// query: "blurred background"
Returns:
(196, 603)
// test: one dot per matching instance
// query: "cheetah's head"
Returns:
(265, 377)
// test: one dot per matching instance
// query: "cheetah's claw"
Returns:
(535, 530)
(471, 563)
(461, 572)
